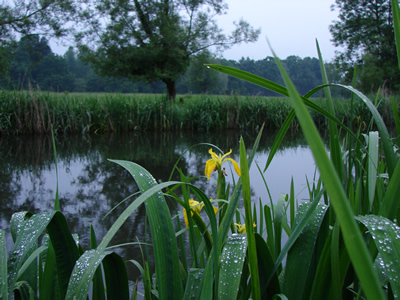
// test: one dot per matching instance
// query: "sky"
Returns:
(290, 26)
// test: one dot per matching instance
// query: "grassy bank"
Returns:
(33, 112)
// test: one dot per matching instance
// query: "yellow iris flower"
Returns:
(216, 162)
(196, 207)
(242, 228)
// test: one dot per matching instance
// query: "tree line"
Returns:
(35, 65)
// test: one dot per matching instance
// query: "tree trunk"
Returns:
(171, 88)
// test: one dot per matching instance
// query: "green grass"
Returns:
(33, 112)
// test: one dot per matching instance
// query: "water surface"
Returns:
(90, 185)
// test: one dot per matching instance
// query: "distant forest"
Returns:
(34, 65)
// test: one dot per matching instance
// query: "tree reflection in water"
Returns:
(90, 186)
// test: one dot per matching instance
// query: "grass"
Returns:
(34, 112)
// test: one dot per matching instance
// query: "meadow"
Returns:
(34, 112)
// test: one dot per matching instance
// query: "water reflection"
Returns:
(90, 185)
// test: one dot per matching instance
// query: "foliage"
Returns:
(344, 240)
(23, 18)
(33, 112)
(154, 40)
(365, 29)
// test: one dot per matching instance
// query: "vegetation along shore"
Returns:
(33, 112)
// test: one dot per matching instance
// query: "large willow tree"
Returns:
(154, 40)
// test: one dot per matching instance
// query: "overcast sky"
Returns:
(291, 26)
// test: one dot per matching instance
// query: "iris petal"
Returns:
(226, 154)
(235, 165)
(210, 166)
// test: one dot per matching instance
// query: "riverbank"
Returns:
(32, 112)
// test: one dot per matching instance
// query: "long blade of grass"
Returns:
(373, 152)
(244, 168)
(279, 138)
(233, 203)
(351, 234)
(98, 280)
(396, 119)
(277, 88)
(390, 202)
(335, 151)
(56, 200)
(396, 26)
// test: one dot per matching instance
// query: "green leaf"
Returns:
(116, 277)
(29, 260)
(163, 234)
(335, 150)
(253, 264)
(17, 223)
(3, 265)
(98, 281)
(232, 259)
(300, 254)
(47, 280)
(279, 138)
(87, 264)
(373, 152)
(265, 265)
(396, 26)
(386, 235)
(390, 204)
(194, 284)
(250, 78)
(26, 241)
(23, 291)
(65, 249)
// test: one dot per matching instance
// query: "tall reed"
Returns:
(33, 112)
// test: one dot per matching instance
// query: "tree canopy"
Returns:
(21, 18)
(365, 29)
(154, 40)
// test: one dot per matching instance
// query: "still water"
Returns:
(90, 186)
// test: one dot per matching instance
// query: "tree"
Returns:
(154, 40)
(19, 18)
(365, 29)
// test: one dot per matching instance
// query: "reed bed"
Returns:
(35, 112)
